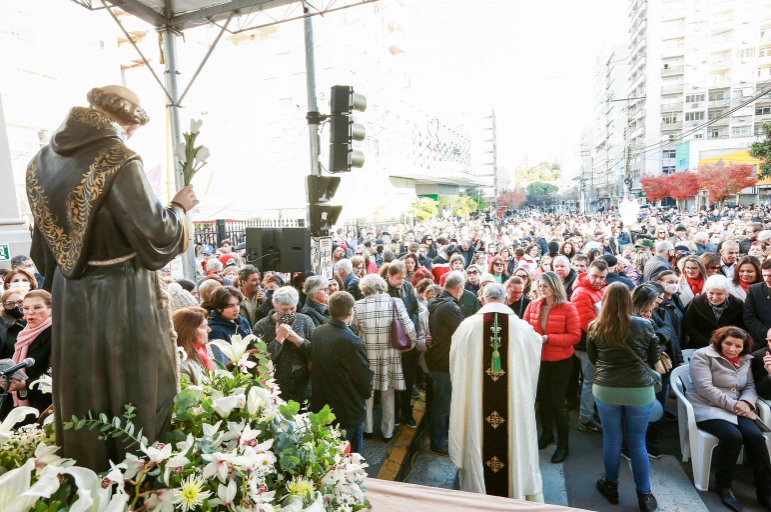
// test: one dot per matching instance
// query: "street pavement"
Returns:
(573, 482)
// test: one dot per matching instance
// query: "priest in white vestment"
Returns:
(493, 439)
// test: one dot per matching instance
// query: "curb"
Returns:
(394, 462)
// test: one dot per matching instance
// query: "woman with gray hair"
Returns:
(713, 309)
(316, 289)
(557, 322)
(287, 334)
(372, 320)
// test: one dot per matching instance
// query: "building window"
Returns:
(723, 36)
(668, 153)
(694, 116)
(669, 169)
(741, 131)
(746, 53)
(694, 98)
(761, 111)
(764, 52)
(698, 136)
(669, 119)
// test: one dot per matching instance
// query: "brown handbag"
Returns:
(399, 338)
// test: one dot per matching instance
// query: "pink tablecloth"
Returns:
(396, 496)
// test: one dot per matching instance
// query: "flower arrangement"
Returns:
(191, 158)
(236, 446)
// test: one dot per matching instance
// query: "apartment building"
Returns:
(610, 119)
(693, 63)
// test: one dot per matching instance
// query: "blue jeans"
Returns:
(621, 422)
(440, 408)
(586, 414)
(661, 396)
(355, 436)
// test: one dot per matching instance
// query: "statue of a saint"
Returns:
(100, 235)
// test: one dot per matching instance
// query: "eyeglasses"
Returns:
(11, 304)
(471, 272)
(714, 267)
(36, 308)
(499, 264)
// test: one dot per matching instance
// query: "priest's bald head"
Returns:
(121, 104)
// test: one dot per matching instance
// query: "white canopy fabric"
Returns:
(183, 14)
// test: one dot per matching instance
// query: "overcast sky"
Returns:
(533, 62)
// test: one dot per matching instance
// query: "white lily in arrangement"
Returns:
(237, 346)
(225, 494)
(157, 453)
(15, 416)
(195, 125)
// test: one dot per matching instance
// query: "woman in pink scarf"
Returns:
(193, 337)
(33, 341)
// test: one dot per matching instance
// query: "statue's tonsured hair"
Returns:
(120, 109)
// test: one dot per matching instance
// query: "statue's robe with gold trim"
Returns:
(100, 234)
(499, 444)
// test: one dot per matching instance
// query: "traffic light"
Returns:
(343, 131)
(321, 189)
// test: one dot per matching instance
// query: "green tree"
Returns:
(762, 151)
(544, 171)
(541, 189)
(423, 208)
(464, 205)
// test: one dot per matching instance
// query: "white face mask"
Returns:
(671, 288)
(19, 284)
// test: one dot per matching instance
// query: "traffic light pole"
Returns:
(313, 127)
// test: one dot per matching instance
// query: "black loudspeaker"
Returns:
(279, 249)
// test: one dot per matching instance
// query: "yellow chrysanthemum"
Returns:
(190, 494)
(300, 486)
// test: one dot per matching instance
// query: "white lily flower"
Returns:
(45, 455)
(217, 465)
(16, 415)
(176, 464)
(203, 154)
(249, 437)
(195, 125)
(184, 446)
(13, 485)
(211, 430)
(245, 365)
(237, 346)
(161, 501)
(180, 151)
(226, 495)
(256, 398)
(134, 466)
(157, 453)
(115, 476)
(224, 406)
(44, 384)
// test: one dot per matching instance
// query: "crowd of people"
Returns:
(612, 306)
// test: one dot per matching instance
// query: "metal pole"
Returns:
(313, 127)
(627, 174)
(170, 60)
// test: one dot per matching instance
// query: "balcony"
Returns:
(719, 84)
(640, 13)
(721, 64)
(639, 30)
(672, 107)
(640, 80)
(666, 127)
(718, 103)
(765, 39)
(642, 61)
(720, 122)
(673, 89)
(764, 118)
(640, 46)
(677, 51)
(678, 70)
(638, 132)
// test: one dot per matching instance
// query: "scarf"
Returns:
(733, 360)
(202, 353)
(696, 284)
(718, 310)
(21, 349)
(744, 285)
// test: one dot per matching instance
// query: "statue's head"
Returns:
(121, 104)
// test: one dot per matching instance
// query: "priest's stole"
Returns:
(495, 404)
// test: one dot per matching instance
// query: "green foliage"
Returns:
(544, 171)
(463, 206)
(541, 189)
(423, 208)
(762, 151)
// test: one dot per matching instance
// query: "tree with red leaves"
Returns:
(512, 198)
(682, 186)
(655, 187)
(724, 181)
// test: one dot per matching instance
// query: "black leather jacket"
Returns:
(616, 367)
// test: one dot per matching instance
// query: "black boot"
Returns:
(547, 429)
(728, 498)
(561, 453)
(609, 490)
(647, 502)
(547, 438)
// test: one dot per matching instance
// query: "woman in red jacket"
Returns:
(557, 321)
